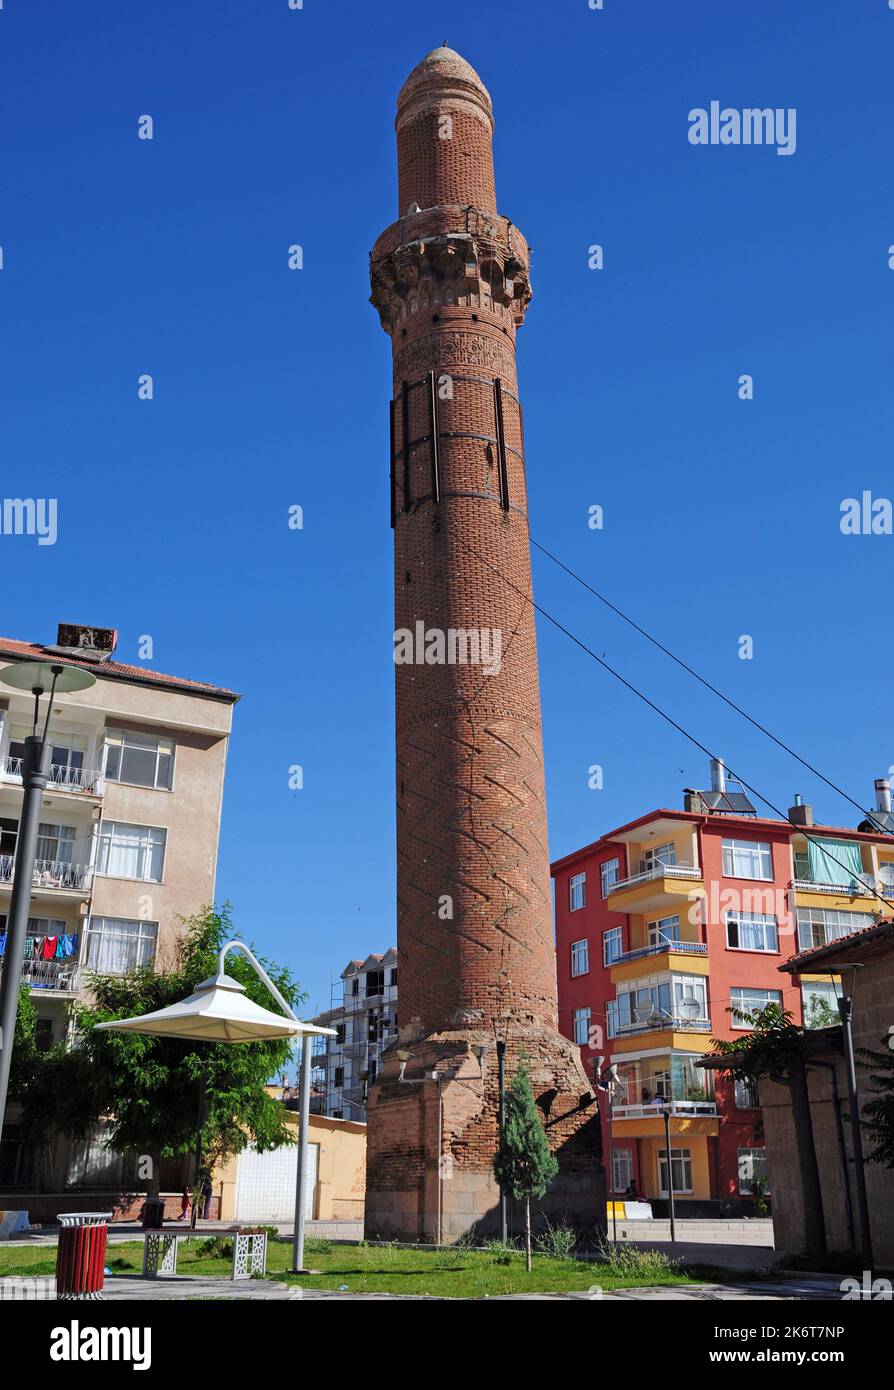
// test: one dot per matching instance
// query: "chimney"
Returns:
(799, 813)
(718, 775)
(693, 801)
(93, 643)
(882, 794)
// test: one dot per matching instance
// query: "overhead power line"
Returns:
(669, 719)
(705, 682)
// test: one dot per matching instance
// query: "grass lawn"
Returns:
(454, 1273)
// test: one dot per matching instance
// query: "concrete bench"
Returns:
(160, 1253)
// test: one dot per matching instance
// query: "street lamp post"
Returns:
(846, 1010)
(666, 1111)
(609, 1082)
(39, 678)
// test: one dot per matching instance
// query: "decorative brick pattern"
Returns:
(475, 943)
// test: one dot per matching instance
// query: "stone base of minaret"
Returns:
(433, 1132)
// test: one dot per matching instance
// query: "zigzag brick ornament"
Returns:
(450, 280)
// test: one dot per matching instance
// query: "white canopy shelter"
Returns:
(219, 1010)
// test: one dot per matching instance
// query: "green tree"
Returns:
(879, 1111)
(820, 1014)
(146, 1089)
(774, 1050)
(523, 1164)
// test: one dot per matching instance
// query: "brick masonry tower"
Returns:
(450, 281)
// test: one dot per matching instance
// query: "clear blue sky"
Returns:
(274, 126)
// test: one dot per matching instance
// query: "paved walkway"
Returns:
(186, 1288)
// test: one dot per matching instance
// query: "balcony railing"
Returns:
(677, 1107)
(856, 888)
(675, 1025)
(85, 780)
(689, 948)
(657, 871)
(63, 976)
(50, 873)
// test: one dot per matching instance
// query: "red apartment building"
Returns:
(667, 926)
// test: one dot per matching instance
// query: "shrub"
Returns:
(557, 1241)
(503, 1252)
(317, 1245)
(216, 1248)
(635, 1263)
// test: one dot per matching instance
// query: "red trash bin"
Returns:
(81, 1256)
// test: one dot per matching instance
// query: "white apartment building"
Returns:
(364, 1015)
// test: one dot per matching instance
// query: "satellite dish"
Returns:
(867, 881)
(885, 879)
(689, 1007)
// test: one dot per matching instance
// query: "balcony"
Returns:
(51, 875)
(52, 976)
(664, 1025)
(678, 1108)
(856, 888)
(657, 886)
(686, 948)
(82, 781)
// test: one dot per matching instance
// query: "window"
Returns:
(664, 930)
(751, 931)
(818, 926)
(582, 1026)
(340, 1034)
(131, 851)
(577, 892)
(612, 1021)
(745, 1000)
(612, 945)
(44, 926)
(117, 945)
(610, 872)
(690, 998)
(141, 759)
(747, 859)
(745, 1095)
(55, 843)
(338, 1078)
(375, 981)
(43, 1034)
(355, 985)
(580, 957)
(752, 1164)
(655, 855)
(643, 1000)
(819, 1000)
(622, 1169)
(681, 1170)
(392, 976)
(66, 757)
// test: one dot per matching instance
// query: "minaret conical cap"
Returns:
(445, 69)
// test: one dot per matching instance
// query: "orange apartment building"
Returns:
(669, 926)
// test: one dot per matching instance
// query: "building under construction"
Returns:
(363, 1012)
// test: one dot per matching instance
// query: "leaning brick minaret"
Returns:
(450, 279)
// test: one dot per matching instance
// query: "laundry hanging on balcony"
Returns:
(60, 947)
(833, 861)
